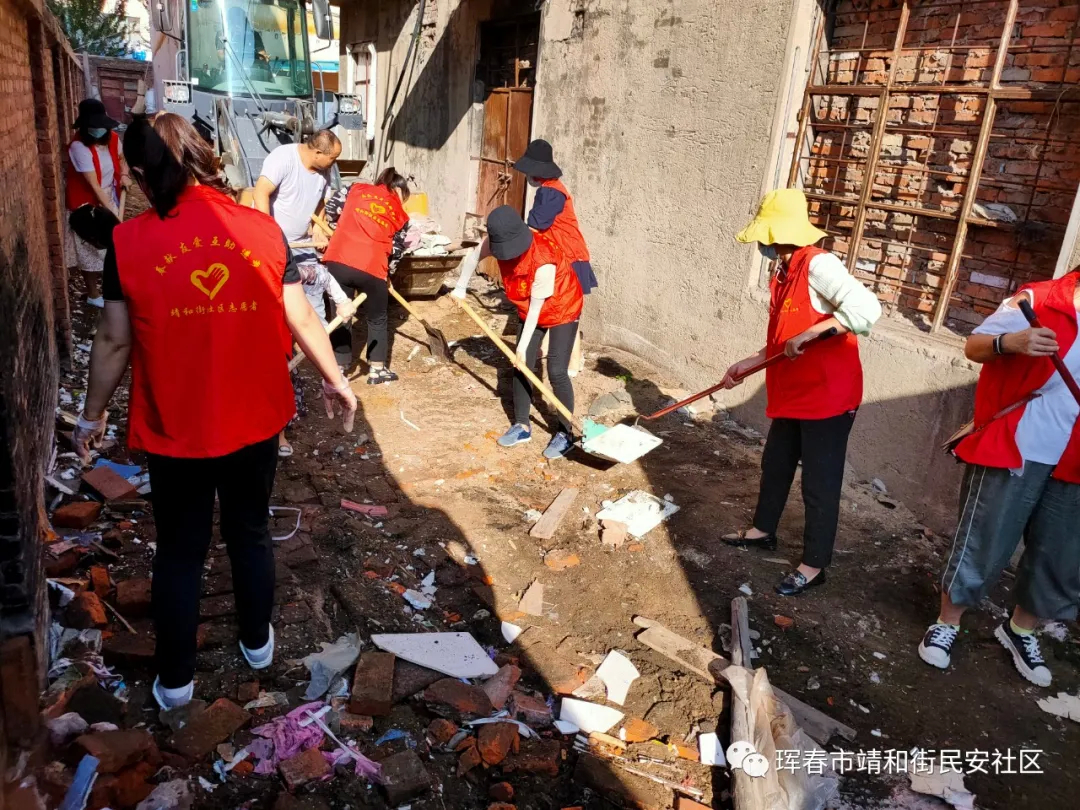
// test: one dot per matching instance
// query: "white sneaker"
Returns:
(172, 698)
(262, 657)
(98, 302)
(936, 646)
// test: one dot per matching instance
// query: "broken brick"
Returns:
(76, 515)
(244, 768)
(109, 484)
(100, 582)
(501, 684)
(461, 697)
(532, 710)
(501, 792)
(116, 750)
(496, 741)
(634, 548)
(303, 768)
(86, 611)
(412, 678)
(501, 806)
(353, 724)
(685, 752)
(636, 731)
(247, 692)
(683, 803)
(539, 757)
(468, 760)
(133, 597)
(783, 622)
(404, 777)
(613, 533)
(442, 730)
(219, 722)
(373, 685)
(132, 785)
(128, 648)
(560, 559)
(382, 569)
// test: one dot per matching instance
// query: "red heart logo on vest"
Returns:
(211, 280)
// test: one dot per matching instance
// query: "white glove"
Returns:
(88, 433)
(340, 398)
(459, 294)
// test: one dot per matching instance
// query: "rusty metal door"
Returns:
(507, 121)
(119, 92)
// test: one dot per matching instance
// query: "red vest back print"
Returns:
(365, 231)
(78, 192)
(1008, 379)
(565, 229)
(827, 379)
(210, 346)
(518, 275)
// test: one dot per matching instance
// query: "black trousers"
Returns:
(355, 281)
(821, 445)
(560, 347)
(183, 495)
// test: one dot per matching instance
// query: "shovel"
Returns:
(123, 204)
(436, 343)
(621, 443)
(764, 364)
(344, 312)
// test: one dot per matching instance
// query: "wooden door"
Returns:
(507, 122)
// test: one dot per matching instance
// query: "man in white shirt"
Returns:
(291, 188)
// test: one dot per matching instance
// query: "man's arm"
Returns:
(542, 289)
(1016, 335)
(264, 188)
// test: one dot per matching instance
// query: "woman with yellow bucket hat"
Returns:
(812, 399)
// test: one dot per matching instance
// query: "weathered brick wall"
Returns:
(1030, 175)
(33, 313)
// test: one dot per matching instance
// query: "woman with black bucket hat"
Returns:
(553, 213)
(95, 175)
(539, 280)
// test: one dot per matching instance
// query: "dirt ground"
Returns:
(425, 448)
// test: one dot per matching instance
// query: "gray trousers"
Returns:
(997, 509)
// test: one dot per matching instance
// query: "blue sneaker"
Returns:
(559, 445)
(517, 434)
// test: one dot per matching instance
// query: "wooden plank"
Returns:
(545, 528)
(703, 662)
(742, 648)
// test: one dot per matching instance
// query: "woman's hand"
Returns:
(340, 398)
(794, 347)
(1041, 342)
(89, 433)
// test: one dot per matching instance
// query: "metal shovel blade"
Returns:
(622, 444)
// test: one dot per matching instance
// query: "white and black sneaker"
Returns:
(1025, 652)
(936, 646)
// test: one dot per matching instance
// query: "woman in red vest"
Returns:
(370, 229)
(187, 285)
(541, 284)
(1022, 478)
(812, 399)
(96, 173)
(553, 213)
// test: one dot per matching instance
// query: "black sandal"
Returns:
(383, 375)
(740, 540)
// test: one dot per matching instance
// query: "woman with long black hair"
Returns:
(187, 286)
(370, 231)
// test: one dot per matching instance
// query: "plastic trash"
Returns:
(326, 665)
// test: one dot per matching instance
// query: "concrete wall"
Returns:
(666, 117)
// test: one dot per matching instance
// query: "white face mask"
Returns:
(768, 252)
(97, 132)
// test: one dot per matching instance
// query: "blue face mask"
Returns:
(98, 132)
(768, 252)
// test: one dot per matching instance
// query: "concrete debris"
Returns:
(592, 689)
(948, 786)
(640, 511)
(710, 750)
(417, 600)
(618, 673)
(455, 654)
(746, 589)
(173, 795)
(589, 717)
(511, 632)
(532, 601)
(613, 533)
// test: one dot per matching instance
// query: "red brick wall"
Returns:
(1032, 167)
(33, 314)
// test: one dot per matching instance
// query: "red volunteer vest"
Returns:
(78, 191)
(365, 231)
(209, 368)
(827, 379)
(1009, 378)
(565, 228)
(518, 275)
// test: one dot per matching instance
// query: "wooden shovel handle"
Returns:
(1055, 358)
(343, 312)
(123, 203)
(323, 224)
(398, 297)
(511, 355)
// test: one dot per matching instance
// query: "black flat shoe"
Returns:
(740, 540)
(795, 583)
